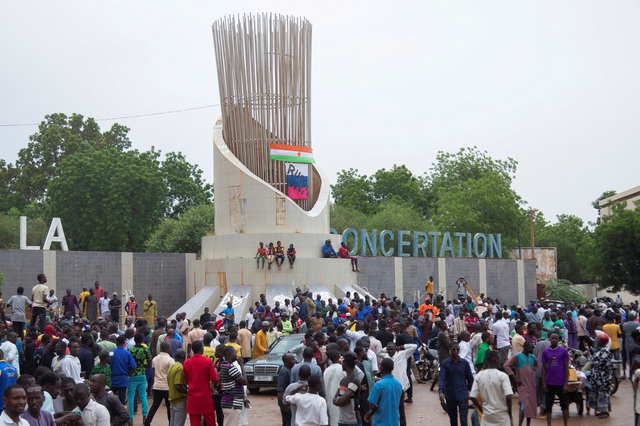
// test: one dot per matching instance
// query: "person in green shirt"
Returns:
(485, 346)
(138, 379)
(547, 325)
(178, 389)
(103, 367)
(287, 327)
(558, 323)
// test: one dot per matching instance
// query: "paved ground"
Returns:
(426, 410)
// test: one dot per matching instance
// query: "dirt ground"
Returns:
(426, 410)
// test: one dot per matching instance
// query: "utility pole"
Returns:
(533, 243)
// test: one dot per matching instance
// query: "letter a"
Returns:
(56, 225)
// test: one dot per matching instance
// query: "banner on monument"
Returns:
(297, 181)
(291, 153)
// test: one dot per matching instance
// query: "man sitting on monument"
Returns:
(279, 253)
(291, 255)
(261, 255)
(271, 255)
(343, 251)
(328, 250)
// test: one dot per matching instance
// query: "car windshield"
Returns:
(285, 345)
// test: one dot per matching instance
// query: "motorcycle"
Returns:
(427, 364)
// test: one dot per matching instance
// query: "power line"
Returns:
(175, 111)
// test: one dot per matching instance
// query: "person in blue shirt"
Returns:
(303, 313)
(361, 314)
(8, 377)
(385, 398)
(122, 364)
(455, 382)
(228, 314)
(328, 251)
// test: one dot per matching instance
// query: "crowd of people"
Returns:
(357, 358)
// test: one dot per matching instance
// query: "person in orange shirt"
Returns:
(428, 307)
(352, 309)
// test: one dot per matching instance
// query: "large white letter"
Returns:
(51, 236)
(23, 235)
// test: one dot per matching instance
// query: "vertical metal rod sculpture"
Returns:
(264, 67)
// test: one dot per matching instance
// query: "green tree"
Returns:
(108, 200)
(367, 194)
(400, 186)
(185, 184)
(343, 217)
(10, 231)
(9, 195)
(183, 234)
(604, 196)
(471, 192)
(617, 250)
(396, 217)
(58, 137)
(568, 235)
(564, 290)
(355, 192)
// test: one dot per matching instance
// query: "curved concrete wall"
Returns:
(246, 204)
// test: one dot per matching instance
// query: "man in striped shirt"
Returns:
(232, 382)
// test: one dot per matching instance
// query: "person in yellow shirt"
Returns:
(150, 311)
(261, 345)
(84, 294)
(208, 350)
(613, 331)
(429, 287)
(233, 341)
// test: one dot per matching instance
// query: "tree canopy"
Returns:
(569, 235)
(183, 234)
(617, 249)
(463, 192)
(108, 196)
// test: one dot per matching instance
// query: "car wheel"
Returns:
(254, 390)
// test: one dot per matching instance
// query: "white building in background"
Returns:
(630, 197)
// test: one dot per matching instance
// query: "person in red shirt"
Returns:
(261, 255)
(471, 319)
(343, 252)
(199, 373)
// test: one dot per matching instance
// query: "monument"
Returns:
(267, 185)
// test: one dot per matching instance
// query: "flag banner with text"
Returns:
(297, 181)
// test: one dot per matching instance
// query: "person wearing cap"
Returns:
(260, 346)
(601, 375)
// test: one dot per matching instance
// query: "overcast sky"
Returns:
(554, 85)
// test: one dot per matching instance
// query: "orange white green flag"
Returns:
(291, 153)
